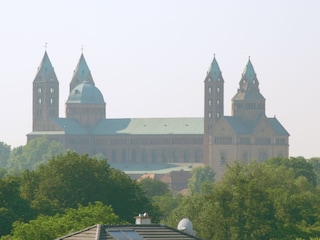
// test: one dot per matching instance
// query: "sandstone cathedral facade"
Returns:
(214, 139)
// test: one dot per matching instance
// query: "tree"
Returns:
(37, 151)
(128, 199)
(299, 165)
(154, 187)
(200, 176)
(4, 154)
(270, 200)
(51, 227)
(12, 206)
(315, 162)
(79, 179)
(166, 204)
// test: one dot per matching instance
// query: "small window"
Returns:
(218, 115)
(209, 79)
(51, 100)
(218, 102)
(209, 90)
(209, 102)
(39, 90)
(209, 115)
(218, 90)
(39, 100)
(51, 90)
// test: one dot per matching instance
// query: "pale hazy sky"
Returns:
(149, 58)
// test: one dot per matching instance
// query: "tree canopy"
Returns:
(154, 187)
(70, 179)
(270, 200)
(5, 150)
(200, 177)
(51, 227)
(34, 153)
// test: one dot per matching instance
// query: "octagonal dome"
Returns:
(86, 93)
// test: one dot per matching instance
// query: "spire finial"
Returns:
(82, 48)
(45, 46)
(214, 55)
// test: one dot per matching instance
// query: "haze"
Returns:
(149, 58)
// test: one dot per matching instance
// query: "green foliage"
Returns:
(128, 198)
(276, 199)
(3, 172)
(190, 207)
(201, 176)
(51, 227)
(12, 206)
(299, 165)
(166, 204)
(30, 156)
(4, 154)
(79, 179)
(315, 162)
(154, 187)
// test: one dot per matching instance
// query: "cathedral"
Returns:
(214, 139)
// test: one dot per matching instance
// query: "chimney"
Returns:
(143, 219)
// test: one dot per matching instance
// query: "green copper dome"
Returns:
(86, 93)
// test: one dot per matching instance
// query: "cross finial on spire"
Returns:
(82, 48)
(45, 46)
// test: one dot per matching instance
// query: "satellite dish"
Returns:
(185, 225)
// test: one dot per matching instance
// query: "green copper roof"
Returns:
(45, 70)
(214, 71)
(243, 127)
(152, 126)
(249, 72)
(139, 126)
(86, 93)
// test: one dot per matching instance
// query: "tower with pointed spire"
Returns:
(248, 134)
(213, 96)
(215, 139)
(248, 103)
(45, 96)
(81, 74)
(85, 103)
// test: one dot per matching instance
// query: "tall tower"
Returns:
(213, 96)
(45, 96)
(81, 74)
(248, 103)
(85, 103)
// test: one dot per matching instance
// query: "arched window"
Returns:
(123, 155)
(186, 155)
(144, 155)
(134, 155)
(154, 155)
(113, 155)
(198, 155)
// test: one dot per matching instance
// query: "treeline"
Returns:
(276, 199)
(30, 156)
(70, 192)
(49, 194)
